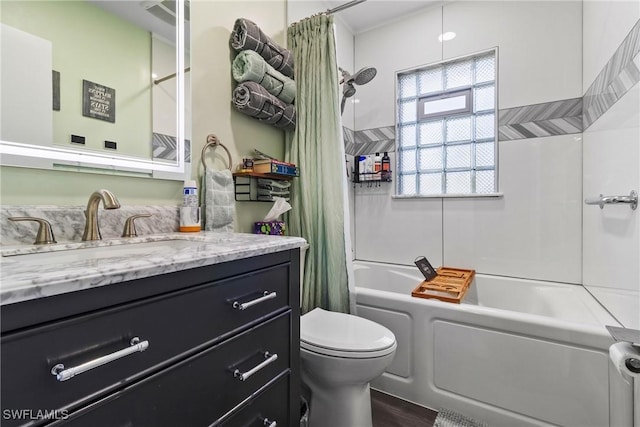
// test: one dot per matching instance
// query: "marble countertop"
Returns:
(25, 276)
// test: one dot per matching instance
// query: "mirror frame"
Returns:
(25, 155)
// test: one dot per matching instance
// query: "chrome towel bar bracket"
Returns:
(631, 199)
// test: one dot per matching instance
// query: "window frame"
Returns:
(421, 118)
(468, 108)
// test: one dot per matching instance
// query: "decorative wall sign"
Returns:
(55, 75)
(98, 101)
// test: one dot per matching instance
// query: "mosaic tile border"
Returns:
(617, 77)
(540, 120)
(564, 117)
(164, 147)
(376, 140)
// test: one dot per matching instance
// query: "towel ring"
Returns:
(212, 141)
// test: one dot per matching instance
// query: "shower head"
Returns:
(364, 76)
(348, 90)
(360, 78)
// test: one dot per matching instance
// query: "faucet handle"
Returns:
(130, 226)
(45, 232)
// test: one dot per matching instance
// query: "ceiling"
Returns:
(359, 18)
(141, 13)
(372, 13)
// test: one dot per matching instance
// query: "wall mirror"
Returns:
(96, 86)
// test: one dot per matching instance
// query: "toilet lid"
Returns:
(344, 335)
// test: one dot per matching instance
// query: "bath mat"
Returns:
(449, 418)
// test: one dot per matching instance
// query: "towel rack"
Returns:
(631, 199)
(212, 141)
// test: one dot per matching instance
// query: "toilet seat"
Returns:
(344, 335)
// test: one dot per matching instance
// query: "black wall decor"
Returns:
(98, 101)
(55, 75)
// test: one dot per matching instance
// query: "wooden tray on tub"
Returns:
(449, 285)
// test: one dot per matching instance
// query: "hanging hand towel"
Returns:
(219, 201)
(249, 66)
(246, 35)
(253, 100)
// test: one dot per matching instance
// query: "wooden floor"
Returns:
(389, 411)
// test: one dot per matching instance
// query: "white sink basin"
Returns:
(129, 251)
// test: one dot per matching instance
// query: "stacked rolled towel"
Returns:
(246, 35)
(250, 66)
(254, 100)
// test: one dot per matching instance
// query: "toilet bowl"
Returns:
(340, 355)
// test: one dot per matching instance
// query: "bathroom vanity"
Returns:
(200, 332)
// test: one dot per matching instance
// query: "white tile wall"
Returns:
(611, 237)
(534, 230)
(344, 47)
(352, 208)
(403, 44)
(397, 231)
(539, 44)
(606, 24)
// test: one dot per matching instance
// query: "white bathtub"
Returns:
(514, 353)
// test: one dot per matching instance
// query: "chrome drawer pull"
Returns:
(269, 423)
(63, 374)
(242, 376)
(267, 296)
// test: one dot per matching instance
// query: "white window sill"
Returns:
(448, 196)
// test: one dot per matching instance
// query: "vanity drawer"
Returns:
(175, 325)
(268, 405)
(201, 389)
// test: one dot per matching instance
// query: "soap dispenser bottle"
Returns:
(190, 210)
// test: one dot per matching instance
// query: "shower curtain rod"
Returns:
(170, 76)
(344, 6)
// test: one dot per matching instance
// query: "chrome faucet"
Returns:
(91, 227)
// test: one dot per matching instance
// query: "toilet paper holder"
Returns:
(631, 336)
(625, 334)
(633, 365)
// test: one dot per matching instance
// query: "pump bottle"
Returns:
(190, 210)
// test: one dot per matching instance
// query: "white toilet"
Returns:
(340, 355)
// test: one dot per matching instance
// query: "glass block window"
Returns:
(446, 127)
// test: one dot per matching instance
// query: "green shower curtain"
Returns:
(316, 146)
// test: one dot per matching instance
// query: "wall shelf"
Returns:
(278, 177)
(374, 178)
(247, 189)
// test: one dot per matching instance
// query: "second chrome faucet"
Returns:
(91, 227)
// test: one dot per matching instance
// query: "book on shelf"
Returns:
(277, 169)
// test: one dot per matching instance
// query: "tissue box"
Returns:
(276, 228)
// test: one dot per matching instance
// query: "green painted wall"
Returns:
(23, 186)
(211, 57)
(91, 44)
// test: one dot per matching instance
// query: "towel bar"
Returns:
(631, 199)
(212, 141)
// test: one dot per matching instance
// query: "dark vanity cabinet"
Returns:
(210, 346)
